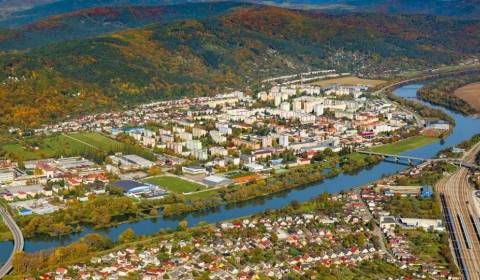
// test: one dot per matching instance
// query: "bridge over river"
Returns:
(17, 239)
(412, 159)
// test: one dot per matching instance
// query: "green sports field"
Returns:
(60, 145)
(404, 145)
(174, 184)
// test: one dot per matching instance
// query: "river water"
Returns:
(465, 128)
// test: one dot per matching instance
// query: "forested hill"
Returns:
(461, 9)
(199, 57)
(101, 20)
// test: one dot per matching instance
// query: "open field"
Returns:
(202, 195)
(60, 145)
(174, 184)
(471, 94)
(404, 145)
(97, 140)
(349, 80)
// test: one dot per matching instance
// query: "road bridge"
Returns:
(412, 159)
(17, 239)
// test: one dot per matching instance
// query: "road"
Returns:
(17, 238)
(459, 197)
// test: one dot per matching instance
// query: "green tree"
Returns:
(182, 225)
(127, 236)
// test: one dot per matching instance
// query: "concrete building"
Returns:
(266, 141)
(185, 136)
(283, 141)
(216, 181)
(297, 105)
(426, 224)
(200, 154)
(218, 151)
(6, 176)
(175, 147)
(285, 106)
(198, 132)
(217, 137)
(193, 145)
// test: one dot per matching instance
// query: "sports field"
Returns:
(96, 140)
(174, 184)
(404, 145)
(60, 145)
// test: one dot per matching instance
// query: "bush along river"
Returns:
(465, 128)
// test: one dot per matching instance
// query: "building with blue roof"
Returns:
(426, 192)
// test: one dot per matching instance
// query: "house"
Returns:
(387, 222)
(45, 169)
(6, 176)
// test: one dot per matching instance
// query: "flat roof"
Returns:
(215, 179)
(138, 160)
(127, 185)
(25, 188)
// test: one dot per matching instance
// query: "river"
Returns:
(465, 128)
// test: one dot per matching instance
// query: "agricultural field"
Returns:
(174, 184)
(470, 94)
(349, 80)
(59, 145)
(404, 145)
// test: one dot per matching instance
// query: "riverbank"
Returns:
(5, 233)
(442, 92)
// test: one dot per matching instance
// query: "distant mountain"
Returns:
(46, 8)
(202, 56)
(95, 21)
(8, 7)
(14, 13)
(462, 9)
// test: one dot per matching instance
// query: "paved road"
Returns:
(459, 197)
(17, 237)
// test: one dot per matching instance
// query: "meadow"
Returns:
(60, 145)
(404, 145)
(350, 80)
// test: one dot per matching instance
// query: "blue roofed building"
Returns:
(426, 192)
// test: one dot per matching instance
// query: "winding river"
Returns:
(465, 128)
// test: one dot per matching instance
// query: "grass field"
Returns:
(174, 184)
(350, 80)
(60, 145)
(471, 94)
(404, 145)
(203, 195)
(237, 173)
(97, 140)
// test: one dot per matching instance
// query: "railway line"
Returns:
(460, 217)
